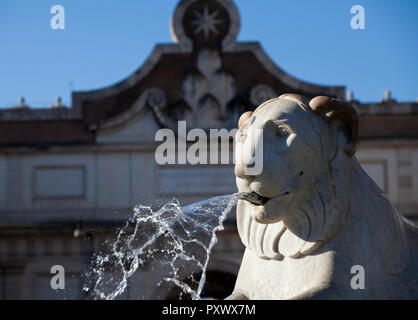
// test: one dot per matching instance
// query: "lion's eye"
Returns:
(282, 131)
(242, 136)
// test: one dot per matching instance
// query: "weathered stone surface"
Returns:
(322, 215)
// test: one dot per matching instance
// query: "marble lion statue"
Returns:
(314, 224)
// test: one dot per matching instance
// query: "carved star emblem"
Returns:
(206, 22)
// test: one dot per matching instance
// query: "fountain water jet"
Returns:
(181, 238)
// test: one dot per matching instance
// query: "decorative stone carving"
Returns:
(156, 98)
(58, 103)
(261, 93)
(313, 214)
(206, 22)
(22, 104)
(209, 90)
(209, 22)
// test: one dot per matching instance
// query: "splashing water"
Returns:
(181, 238)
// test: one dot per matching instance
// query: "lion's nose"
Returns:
(240, 171)
(249, 156)
(243, 172)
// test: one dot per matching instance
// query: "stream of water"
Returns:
(179, 238)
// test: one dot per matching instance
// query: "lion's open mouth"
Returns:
(253, 197)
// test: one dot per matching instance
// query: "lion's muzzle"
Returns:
(253, 197)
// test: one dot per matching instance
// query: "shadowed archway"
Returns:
(219, 285)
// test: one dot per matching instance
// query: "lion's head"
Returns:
(307, 148)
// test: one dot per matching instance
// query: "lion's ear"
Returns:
(331, 110)
(244, 117)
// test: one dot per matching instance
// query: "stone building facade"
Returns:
(70, 176)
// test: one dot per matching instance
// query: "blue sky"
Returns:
(105, 41)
